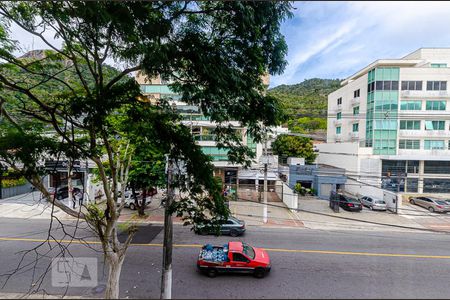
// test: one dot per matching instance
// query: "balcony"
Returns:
(425, 94)
(422, 154)
(205, 137)
(356, 100)
(354, 135)
(423, 133)
(338, 122)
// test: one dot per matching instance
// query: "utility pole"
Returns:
(166, 274)
(398, 192)
(265, 181)
(1, 180)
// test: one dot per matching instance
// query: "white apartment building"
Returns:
(202, 130)
(389, 125)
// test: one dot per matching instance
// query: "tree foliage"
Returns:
(294, 146)
(68, 102)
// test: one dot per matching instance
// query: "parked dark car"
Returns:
(63, 193)
(231, 226)
(349, 203)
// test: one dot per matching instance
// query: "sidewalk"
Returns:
(313, 213)
(316, 214)
(278, 215)
(30, 206)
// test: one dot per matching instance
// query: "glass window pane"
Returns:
(429, 85)
(436, 85)
(394, 86)
(404, 85)
(443, 85)
(418, 85)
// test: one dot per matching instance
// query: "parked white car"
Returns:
(130, 201)
(373, 203)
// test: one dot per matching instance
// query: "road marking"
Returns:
(267, 249)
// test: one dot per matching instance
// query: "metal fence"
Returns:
(16, 190)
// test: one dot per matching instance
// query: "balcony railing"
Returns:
(426, 94)
(205, 137)
(356, 100)
(354, 135)
(423, 133)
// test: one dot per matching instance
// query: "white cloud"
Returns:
(343, 37)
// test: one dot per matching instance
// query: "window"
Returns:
(356, 110)
(239, 257)
(411, 85)
(338, 130)
(436, 105)
(436, 185)
(434, 125)
(356, 93)
(355, 127)
(413, 166)
(436, 167)
(436, 85)
(371, 87)
(438, 65)
(339, 115)
(412, 185)
(409, 144)
(385, 124)
(248, 250)
(339, 101)
(411, 105)
(434, 144)
(410, 124)
(386, 85)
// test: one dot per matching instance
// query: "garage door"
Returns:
(325, 190)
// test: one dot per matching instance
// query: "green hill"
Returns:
(305, 103)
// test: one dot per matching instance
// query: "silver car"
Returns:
(432, 204)
(373, 203)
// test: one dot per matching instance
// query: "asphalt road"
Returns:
(305, 264)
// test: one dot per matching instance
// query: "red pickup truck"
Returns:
(233, 257)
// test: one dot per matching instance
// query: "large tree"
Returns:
(294, 146)
(67, 101)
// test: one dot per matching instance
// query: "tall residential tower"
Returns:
(389, 125)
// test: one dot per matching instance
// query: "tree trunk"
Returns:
(114, 268)
(141, 207)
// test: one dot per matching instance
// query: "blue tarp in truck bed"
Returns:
(214, 253)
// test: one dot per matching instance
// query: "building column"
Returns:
(420, 181)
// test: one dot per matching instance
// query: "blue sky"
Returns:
(336, 39)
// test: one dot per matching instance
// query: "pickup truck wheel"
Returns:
(132, 206)
(259, 273)
(212, 273)
(412, 201)
(234, 233)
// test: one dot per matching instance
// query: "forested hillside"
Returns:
(305, 103)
